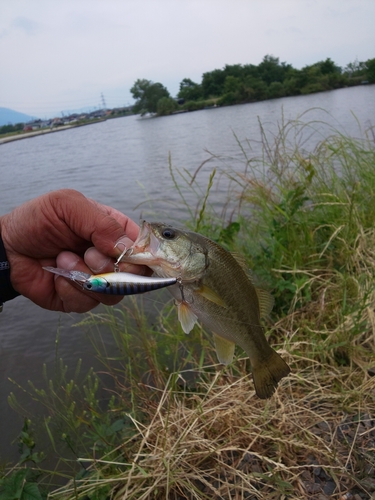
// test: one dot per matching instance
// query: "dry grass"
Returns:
(310, 441)
(315, 439)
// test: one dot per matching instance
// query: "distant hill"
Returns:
(9, 116)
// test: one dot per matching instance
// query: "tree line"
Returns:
(7, 129)
(237, 84)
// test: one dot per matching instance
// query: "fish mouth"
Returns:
(143, 239)
(145, 247)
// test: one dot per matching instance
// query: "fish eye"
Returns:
(169, 233)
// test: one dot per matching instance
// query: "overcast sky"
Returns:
(62, 54)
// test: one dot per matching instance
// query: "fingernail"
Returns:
(95, 260)
(123, 243)
(67, 260)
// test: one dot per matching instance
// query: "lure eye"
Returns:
(88, 286)
(169, 233)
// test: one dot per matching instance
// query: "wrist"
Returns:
(7, 292)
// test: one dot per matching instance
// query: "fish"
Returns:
(212, 287)
(116, 283)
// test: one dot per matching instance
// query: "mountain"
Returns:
(9, 116)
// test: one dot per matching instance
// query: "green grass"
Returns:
(166, 421)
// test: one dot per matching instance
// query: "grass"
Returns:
(166, 421)
(220, 441)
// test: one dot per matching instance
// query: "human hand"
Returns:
(56, 229)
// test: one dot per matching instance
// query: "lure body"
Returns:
(116, 283)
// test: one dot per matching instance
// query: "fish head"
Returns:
(168, 251)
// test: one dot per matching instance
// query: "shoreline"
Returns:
(35, 133)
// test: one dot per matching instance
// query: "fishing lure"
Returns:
(116, 283)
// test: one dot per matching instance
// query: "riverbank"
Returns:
(35, 133)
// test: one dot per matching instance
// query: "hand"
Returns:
(56, 229)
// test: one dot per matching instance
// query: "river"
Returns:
(124, 163)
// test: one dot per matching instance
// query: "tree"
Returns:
(292, 84)
(370, 70)
(213, 83)
(255, 89)
(147, 95)
(276, 89)
(189, 90)
(232, 84)
(6, 129)
(233, 91)
(166, 106)
(328, 66)
(235, 70)
(356, 68)
(270, 70)
(237, 84)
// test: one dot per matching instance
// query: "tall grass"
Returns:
(174, 423)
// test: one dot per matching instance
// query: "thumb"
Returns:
(101, 225)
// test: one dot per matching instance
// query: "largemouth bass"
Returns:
(214, 288)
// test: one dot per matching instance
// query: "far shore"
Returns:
(35, 133)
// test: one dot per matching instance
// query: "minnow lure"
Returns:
(116, 283)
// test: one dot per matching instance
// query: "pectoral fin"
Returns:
(186, 317)
(209, 294)
(224, 349)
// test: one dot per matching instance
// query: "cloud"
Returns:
(26, 25)
(64, 54)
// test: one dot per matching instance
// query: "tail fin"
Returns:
(267, 374)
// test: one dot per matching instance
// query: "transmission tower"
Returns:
(104, 107)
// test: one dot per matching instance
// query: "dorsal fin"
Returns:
(266, 302)
(265, 299)
(240, 259)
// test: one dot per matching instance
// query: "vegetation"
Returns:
(236, 84)
(247, 83)
(147, 95)
(166, 106)
(164, 420)
(11, 129)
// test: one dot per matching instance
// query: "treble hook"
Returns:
(181, 287)
(116, 264)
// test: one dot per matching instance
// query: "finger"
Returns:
(73, 299)
(100, 263)
(94, 223)
(69, 261)
(132, 228)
